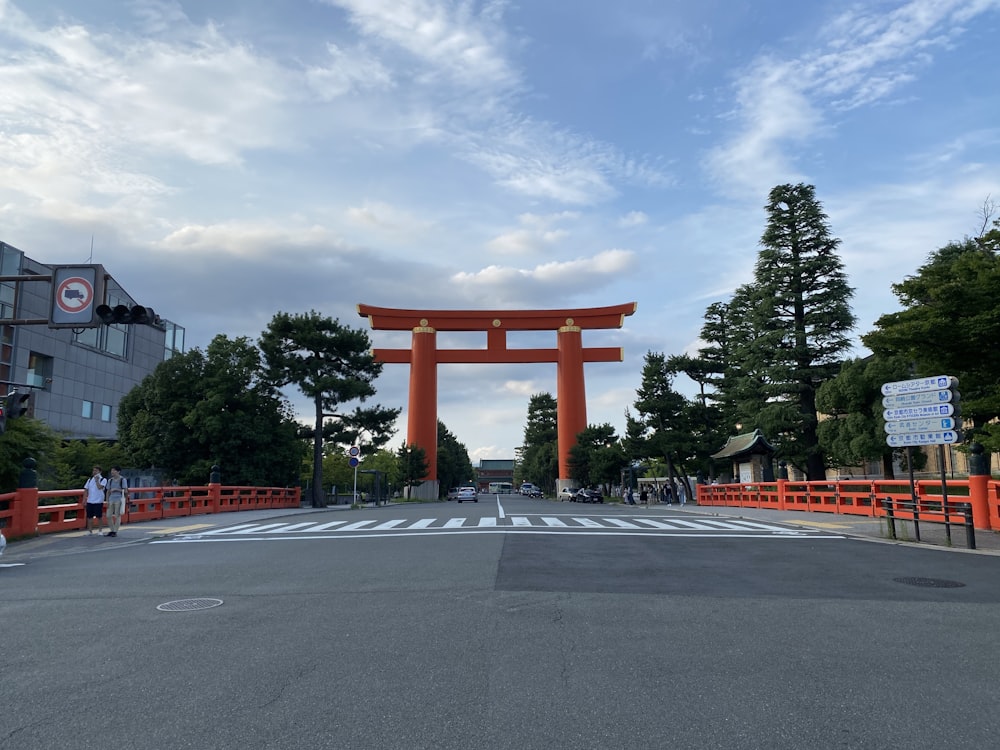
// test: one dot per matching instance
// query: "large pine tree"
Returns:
(801, 315)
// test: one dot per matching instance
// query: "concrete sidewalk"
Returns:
(860, 527)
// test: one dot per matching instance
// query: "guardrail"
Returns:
(29, 511)
(860, 497)
(951, 514)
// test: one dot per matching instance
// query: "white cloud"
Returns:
(452, 41)
(866, 55)
(581, 273)
(633, 219)
(348, 71)
(535, 234)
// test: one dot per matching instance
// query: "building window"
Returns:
(173, 340)
(105, 413)
(39, 370)
(6, 351)
(88, 409)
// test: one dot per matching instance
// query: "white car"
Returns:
(568, 493)
(467, 493)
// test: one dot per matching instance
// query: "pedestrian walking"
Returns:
(95, 500)
(117, 491)
(682, 494)
(629, 497)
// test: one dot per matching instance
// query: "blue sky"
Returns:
(232, 159)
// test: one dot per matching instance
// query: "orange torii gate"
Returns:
(423, 357)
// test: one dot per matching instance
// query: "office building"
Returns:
(75, 377)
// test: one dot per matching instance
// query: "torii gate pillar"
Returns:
(424, 357)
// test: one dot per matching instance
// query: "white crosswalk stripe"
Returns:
(691, 526)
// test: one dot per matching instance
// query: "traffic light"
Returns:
(17, 405)
(124, 314)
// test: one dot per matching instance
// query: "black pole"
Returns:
(913, 493)
(944, 495)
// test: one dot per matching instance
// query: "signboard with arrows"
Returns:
(922, 411)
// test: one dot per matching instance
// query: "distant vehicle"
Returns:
(568, 493)
(531, 490)
(453, 493)
(501, 488)
(467, 493)
(588, 496)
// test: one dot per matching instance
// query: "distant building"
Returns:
(491, 471)
(75, 378)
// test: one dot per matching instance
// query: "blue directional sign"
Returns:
(922, 398)
(945, 437)
(917, 385)
(934, 424)
(922, 411)
(918, 412)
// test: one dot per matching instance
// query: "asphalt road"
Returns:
(531, 624)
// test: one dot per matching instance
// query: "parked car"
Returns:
(453, 493)
(467, 493)
(588, 496)
(568, 493)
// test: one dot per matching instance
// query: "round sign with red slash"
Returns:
(74, 294)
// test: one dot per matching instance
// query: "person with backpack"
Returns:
(117, 491)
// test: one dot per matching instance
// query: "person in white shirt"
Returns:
(95, 500)
(116, 487)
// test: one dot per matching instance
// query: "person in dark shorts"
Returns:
(94, 489)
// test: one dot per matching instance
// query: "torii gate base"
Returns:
(423, 357)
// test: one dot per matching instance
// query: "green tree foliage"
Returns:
(73, 460)
(665, 414)
(333, 366)
(413, 464)
(28, 438)
(151, 418)
(453, 465)
(338, 473)
(705, 417)
(950, 325)
(852, 431)
(200, 409)
(538, 456)
(597, 458)
(798, 313)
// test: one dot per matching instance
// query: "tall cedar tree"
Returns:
(663, 412)
(453, 465)
(800, 306)
(538, 457)
(332, 365)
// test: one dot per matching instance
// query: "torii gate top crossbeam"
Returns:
(391, 319)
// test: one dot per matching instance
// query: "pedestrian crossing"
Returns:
(695, 526)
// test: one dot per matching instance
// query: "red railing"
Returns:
(860, 497)
(29, 511)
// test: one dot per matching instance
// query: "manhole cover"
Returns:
(186, 605)
(934, 583)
